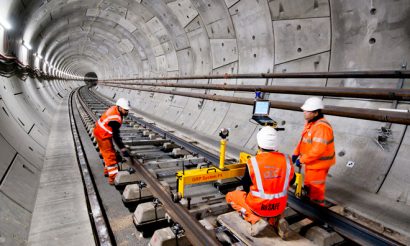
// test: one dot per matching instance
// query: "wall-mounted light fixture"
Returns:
(38, 56)
(27, 45)
(5, 24)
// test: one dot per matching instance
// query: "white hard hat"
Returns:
(123, 103)
(312, 104)
(267, 138)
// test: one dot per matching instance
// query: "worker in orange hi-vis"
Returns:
(107, 129)
(315, 150)
(265, 186)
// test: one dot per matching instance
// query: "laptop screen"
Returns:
(261, 108)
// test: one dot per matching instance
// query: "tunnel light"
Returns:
(27, 45)
(5, 24)
(38, 55)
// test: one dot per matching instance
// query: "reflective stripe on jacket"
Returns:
(316, 147)
(102, 130)
(270, 173)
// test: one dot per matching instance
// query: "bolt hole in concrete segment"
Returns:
(350, 164)
(372, 40)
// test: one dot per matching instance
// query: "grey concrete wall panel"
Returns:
(355, 140)
(190, 113)
(185, 60)
(223, 52)
(172, 62)
(39, 136)
(175, 32)
(162, 65)
(216, 18)
(229, 3)
(215, 110)
(21, 183)
(295, 39)
(14, 222)
(315, 63)
(201, 49)
(369, 31)
(21, 109)
(196, 23)
(156, 28)
(158, 50)
(297, 9)
(7, 153)
(34, 89)
(254, 36)
(183, 10)
(18, 138)
(125, 45)
(396, 184)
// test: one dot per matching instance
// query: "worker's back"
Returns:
(270, 173)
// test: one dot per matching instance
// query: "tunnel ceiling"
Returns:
(147, 38)
(126, 38)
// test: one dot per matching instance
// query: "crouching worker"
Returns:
(265, 186)
(106, 129)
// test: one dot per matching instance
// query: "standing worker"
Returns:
(108, 128)
(316, 149)
(265, 186)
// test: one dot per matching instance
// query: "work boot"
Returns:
(111, 180)
(283, 229)
(258, 228)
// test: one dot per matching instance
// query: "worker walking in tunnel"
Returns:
(106, 129)
(265, 186)
(315, 150)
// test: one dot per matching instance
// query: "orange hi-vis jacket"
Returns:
(102, 130)
(270, 173)
(316, 147)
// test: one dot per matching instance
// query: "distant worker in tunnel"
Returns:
(315, 150)
(265, 186)
(106, 129)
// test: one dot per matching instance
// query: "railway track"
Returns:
(149, 190)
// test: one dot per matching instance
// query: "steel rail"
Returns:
(194, 231)
(370, 93)
(100, 227)
(344, 226)
(375, 74)
(179, 141)
(357, 113)
(348, 228)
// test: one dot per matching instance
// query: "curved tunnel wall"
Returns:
(293, 36)
(167, 38)
(26, 112)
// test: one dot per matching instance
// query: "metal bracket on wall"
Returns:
(385, 132)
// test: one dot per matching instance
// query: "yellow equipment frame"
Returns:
(196, 176)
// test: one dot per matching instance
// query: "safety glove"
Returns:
(125, 152)
(294, 158)
(297, 163)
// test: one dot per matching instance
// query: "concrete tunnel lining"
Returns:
(170, 38)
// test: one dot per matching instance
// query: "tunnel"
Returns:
(48, 49)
